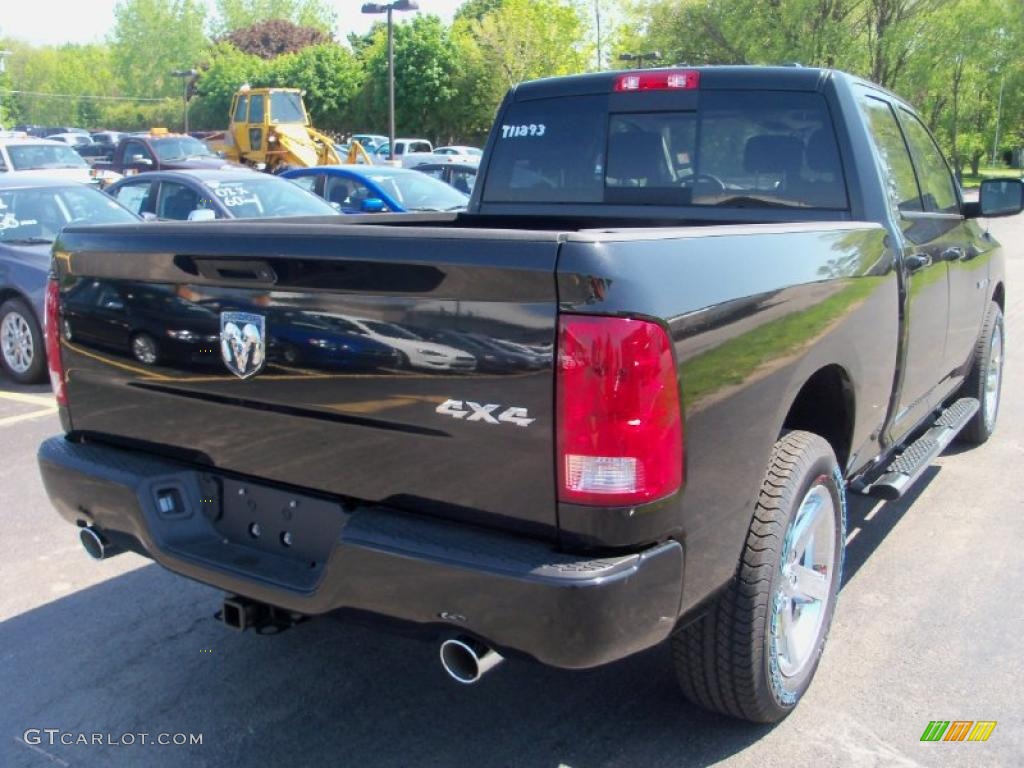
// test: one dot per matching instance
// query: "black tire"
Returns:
(983, 423)
(732, 659)
(144, 349)
(22, 345)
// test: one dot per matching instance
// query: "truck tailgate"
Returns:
(405, 365)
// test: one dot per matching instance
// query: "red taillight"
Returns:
(53, 341)
(620, 432)
(659, 80)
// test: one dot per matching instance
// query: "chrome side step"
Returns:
(913, 460)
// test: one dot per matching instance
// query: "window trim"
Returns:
(900, 110)
(874, 96)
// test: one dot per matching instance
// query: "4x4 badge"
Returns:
(487, 413)
(243, 342)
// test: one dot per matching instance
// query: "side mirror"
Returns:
(372, 205)
(144, 161)
(336, 206)
(1000, 197)
(114, 304)
(202, 214)
(148, 216)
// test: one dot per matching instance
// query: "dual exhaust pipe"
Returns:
(96, 545)
(465, 659)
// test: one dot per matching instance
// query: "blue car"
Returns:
(375, 189)
(325, 342)
(32, 213)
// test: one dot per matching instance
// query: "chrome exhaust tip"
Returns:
(467, 660)
(96, 544)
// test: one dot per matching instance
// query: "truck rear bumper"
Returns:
(516, 593)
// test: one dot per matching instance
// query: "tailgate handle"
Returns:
(246, 271)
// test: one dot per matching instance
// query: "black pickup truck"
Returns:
(626, 394)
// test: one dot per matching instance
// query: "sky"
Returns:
(88, 21)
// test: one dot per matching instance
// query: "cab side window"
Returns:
(177, 201)
(938, 189)
(240, 107)
(307, 183)
(892, 154)
(349, 194)
(256, 109)
(136, 152)
(137, 198)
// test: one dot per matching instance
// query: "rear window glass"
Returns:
(751, 149)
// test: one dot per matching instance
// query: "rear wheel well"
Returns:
(999, 297)
(825, 406)
(9, 293)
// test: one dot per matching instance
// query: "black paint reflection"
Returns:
(492, 355)
(153, 325)
(325, 342)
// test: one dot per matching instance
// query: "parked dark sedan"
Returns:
(210, 194)
(32, 213)
(152, 324)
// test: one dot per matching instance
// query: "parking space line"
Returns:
(26, 397)
(8, 420)
(147, 374)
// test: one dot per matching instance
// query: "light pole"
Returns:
(640, 58)
(389, 8)
(187, 76)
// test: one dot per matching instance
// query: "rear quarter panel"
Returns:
(753, 312)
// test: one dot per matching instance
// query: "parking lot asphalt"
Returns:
(930, 626)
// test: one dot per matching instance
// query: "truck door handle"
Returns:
(917, 261)
(952, 254)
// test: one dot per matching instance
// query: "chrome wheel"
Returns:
(993, 377)
(808, 567)
(144, 349)
(16, 342)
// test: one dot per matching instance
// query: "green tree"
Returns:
(426, 65)
(812, 32)
(225, 70)
(506, 42)
(237, 14)
(955, 73)
(330, 75)
(140, 116)
(63, 85)
(275, 37)
(524, 39)
(151, 38)
(474, 10)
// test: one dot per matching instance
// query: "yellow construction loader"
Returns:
(270, 130)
